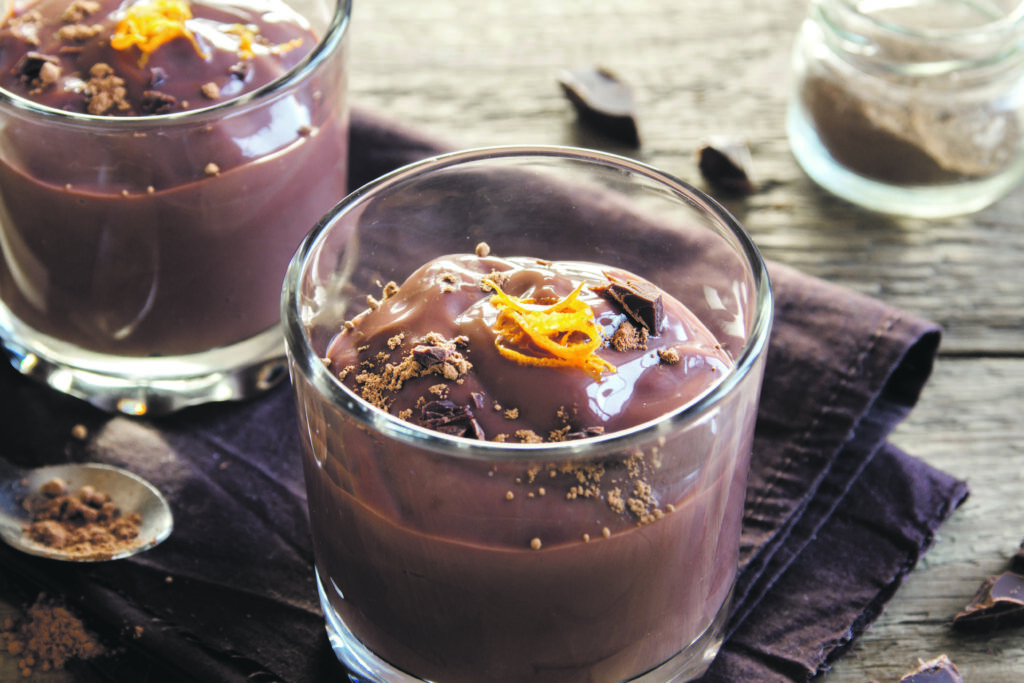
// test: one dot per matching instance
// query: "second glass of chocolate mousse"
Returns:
(527, 381)
(159, 162)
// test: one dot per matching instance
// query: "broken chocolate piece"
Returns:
(428, 356)
(602, 101)
(240, 71)
(726, 166)
(584, 433)
(452, 419)
(641, 302)
(938, 670)
(999, 603)
(30, 67)
(1017, 561)
(156, 102)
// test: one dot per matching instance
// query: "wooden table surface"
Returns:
(485, 73)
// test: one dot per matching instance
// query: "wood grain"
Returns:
(480, 74)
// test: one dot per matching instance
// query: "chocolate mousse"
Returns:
(598, 565)
(155, 188)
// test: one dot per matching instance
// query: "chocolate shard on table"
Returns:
(938, 670)
(603, 101)
(726, 165)
(999, 603)
(1017, 561)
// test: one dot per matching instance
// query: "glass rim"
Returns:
(303, 356)
(327, 45)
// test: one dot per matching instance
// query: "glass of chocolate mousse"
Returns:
(526, 381)
(159, 162)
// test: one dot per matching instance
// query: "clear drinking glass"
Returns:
(142, 256)
(438, 557)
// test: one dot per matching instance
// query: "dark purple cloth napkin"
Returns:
(835, 515)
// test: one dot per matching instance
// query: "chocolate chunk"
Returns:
(452, 419)
(725, 165)
(30, 67)
(240, 71)
(1017, 561)
(584, 433)
(156, 102)
(641, 302)
(938, 670)
(602, 101)
(999, 603)
(428, 356)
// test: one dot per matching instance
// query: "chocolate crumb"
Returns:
(105, 90)
(78, 33)
(79, 10)
(211, 90)
(627, 338)
(669, 356)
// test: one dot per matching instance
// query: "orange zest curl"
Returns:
(247, 40)
(148, 25)
(563, 334)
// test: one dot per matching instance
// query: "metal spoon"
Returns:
(128, 491)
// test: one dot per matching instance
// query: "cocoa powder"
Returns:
(85, 525)
(48, 637)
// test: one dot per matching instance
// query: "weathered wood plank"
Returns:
(482, 74)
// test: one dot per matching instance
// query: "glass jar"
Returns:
(910, 107)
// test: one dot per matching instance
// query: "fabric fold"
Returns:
(231, 594)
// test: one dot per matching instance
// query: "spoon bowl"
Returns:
(131, 494)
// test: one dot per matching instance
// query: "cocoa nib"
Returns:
(156, 102)
(451, 419)
(641, 302)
